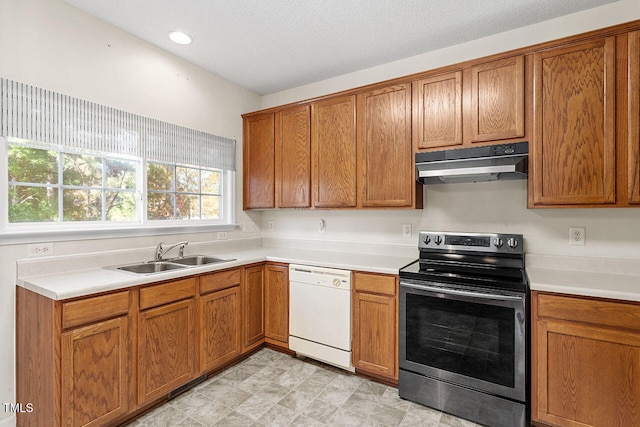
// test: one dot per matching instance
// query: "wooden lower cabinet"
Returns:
(166, 349)
(253, 306)
(585, 361)
(375, 325)
(95, 373)
(74, 359)
(277, 303)
(220, 325)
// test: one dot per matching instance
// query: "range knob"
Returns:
(437, 240)
(498, 242)
(426, 239)
(512, 242)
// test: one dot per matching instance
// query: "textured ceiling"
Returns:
(270, 46)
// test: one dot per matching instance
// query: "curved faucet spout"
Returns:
(161, 252)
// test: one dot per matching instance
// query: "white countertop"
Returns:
(585, 276)
(75, 283)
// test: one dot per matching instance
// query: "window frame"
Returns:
(60, 230)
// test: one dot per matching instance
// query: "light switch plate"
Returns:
(406, 230)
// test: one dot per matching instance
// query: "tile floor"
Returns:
(273, 389)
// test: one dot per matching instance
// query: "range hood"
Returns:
(488, 163)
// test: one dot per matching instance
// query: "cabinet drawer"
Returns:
(376, 283)
(93, 309)
(220, 280)
(599, 312)
(165, 293)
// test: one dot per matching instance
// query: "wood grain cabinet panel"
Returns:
(166, 349)
(258, 162)
(333, 152)
(437, 111)
(634, 117)
(293, 157)
(253, 306)
(385, 154)
(375, 325)
(277, 302)
(497, 100)
(220, 326)
(585, 374)
(573, 149)
(96, 373)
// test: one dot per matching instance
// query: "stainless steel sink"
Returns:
(150, 267)
(194, 260)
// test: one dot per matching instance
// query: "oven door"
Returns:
(475, 339)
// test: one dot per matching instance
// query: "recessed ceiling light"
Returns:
(179, 37)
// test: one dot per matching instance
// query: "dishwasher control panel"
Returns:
(320, 276)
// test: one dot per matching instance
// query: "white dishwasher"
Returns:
(320, 314)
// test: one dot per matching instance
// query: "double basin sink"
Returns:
(151, 267)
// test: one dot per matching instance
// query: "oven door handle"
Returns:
(462, 293)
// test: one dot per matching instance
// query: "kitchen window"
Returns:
(71, 166)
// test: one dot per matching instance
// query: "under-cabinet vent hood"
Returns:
(488, 163)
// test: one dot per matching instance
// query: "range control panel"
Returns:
(474, 242)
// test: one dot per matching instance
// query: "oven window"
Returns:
(475, 340)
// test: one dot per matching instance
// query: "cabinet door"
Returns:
(497, 100)
(166, 349)
(385, 155)
(293, 158)
(259, 162)
(277, 303)
(96, 373)
(333, 148)
(634, 117)
(573, 149)
(253, 302)
(220, 323)
(374, 334)
(437, 111)
(587, 376)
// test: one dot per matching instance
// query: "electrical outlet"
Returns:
(406, 230)
(577, 236)
(222, 235)
(40, 249)
(271, 225)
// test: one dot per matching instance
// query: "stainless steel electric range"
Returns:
(464, 333)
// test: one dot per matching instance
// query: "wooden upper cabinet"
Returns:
(293, 157)
(259, 161)
(634, 117)
(437, 111)
(333, 152)
(385, 154)
(497, 100)
(573, 146)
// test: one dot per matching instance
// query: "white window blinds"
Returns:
(35, 114)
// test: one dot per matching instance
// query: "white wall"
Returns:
(49, 44)
(495, 206)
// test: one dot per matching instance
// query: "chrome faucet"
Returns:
(160, 251)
